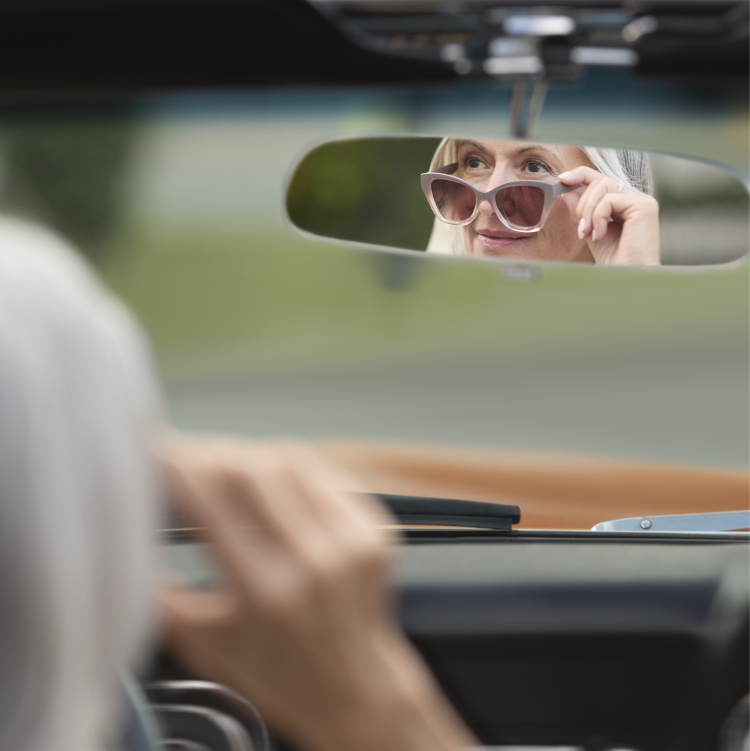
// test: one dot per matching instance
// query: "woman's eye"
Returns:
(472, 162)
(537, 168)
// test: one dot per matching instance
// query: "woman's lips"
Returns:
(499, 240)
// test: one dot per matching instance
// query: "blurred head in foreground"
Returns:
(78, 495)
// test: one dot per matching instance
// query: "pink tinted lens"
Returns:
(454, 202)
(521, 205)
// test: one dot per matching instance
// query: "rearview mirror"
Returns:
(512, 200)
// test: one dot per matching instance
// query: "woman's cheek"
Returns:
(561, 232)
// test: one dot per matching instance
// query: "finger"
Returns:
(193, 623)
(302, 502)
(612, 207)
(587, 205)
(239, 543)
(337, 490)
(585, 175)
(596, 185)
(265, 504)
(314, 528)
(249, 482)
(266, 485)
(186, 608)
(265, 569)
(600, 218)
(352, 525)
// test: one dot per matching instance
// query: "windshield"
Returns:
(179, 203)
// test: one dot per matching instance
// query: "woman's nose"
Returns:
(486, 208)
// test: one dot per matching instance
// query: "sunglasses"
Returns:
(522, 205)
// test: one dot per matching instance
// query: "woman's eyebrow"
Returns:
(474, 144)
(535, 147)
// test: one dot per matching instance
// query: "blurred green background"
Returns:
(67, 171)
(179, 203)
(365, 190)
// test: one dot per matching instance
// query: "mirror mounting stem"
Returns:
(526, 108)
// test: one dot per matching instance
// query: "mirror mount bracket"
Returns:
(526, 106)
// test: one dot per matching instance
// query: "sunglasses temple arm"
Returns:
(449, 169)
(559, 188)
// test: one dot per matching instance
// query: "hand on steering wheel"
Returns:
(303, 625)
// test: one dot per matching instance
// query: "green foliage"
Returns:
(732, 196)
(365, 190)
(69, 174)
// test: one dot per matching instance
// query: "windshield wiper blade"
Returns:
(408, 509)
(449, 512)
(719, 521)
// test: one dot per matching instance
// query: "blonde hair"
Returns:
(78, 495)
(632, 167)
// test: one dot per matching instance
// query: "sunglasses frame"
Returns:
(550, 190)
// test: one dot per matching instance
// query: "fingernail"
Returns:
(563, 175)
(593, 235)
(581, 228)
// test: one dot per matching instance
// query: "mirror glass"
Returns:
(513, 200)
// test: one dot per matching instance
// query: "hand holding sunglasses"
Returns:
(619, 224)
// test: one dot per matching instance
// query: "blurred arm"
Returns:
(303, 625)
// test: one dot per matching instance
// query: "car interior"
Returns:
(565, 448)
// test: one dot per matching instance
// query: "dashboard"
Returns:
(553, 640)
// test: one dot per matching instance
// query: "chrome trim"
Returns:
(735, 732)
(183, 745)
(236, 736)
(720, 521)
(217, 689)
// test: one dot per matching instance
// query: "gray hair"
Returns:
(78, 495)
(632, 167)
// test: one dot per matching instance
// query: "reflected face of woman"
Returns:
(487, 164)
